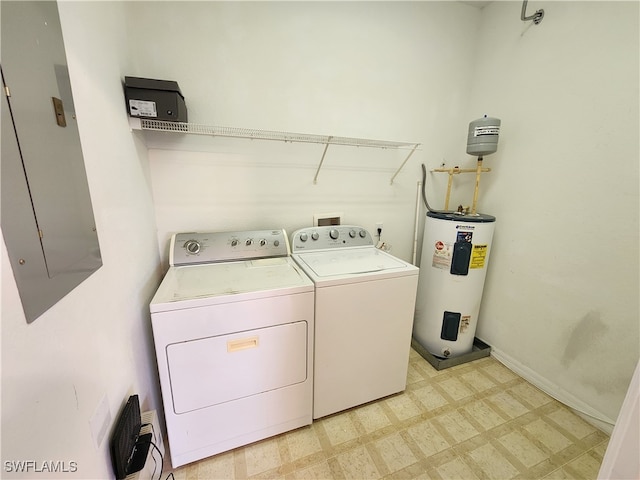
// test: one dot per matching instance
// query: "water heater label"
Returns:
(478, 256)
(465, 322)
(442, 255)
(464, 237)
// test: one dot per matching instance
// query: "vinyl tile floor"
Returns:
(473, 421)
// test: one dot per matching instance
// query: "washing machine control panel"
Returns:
(192, 248)
(328, 237)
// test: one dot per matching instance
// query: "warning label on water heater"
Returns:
(478, 256)
(442, 255)
(465, 322)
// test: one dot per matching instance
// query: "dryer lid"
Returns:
(208, 281)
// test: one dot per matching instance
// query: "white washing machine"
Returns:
(233, 323)
(365, 300)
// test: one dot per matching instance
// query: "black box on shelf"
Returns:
(154, 99)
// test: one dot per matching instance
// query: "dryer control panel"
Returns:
(329, 237)
(193, 248)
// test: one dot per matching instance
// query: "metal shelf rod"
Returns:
(233, 132)
(198, 129)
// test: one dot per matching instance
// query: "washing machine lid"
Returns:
(350, 261)
(200, 285)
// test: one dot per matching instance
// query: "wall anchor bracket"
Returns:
(536, 17)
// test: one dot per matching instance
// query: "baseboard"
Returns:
(586, 412)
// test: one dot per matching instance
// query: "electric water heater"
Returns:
(453, 267)
(455, 254)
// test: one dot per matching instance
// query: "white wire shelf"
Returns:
(253, 134)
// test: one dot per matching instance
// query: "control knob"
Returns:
(333, 233)
(363, 234)
(304, 237)
(315, 236)
(263, 242)
(192, 246)
(352, 233)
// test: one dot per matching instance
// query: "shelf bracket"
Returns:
(403, 163)
(326, 146)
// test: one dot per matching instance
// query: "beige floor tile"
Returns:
(523, 449)
(339, 429)
(483, 414)
(585, 465)
(499, 372)
(395, 452)
(319, 471)
(358, 464)
(302, 443)
(560, 474)
(548, 436)
(507, 404)
(372, 417)
(456, 426)
(217, 467)
(600, 449)
(403, 407)
(262, 456)
(426, 436)
(531, 395)
(456, 470)
(413, 375)
(571, 422)
(478, 381)
(493, 463)
(455, 389)
(427, 370)
(497, 427)
(430, 398)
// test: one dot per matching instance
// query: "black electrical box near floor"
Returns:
(154, 99)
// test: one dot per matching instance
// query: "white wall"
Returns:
(380, 70)
(561, 297)
(96, 341)
(559, 303)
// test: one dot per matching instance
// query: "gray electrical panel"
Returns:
(46, 212)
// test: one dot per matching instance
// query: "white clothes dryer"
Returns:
(365, 299)
(233, 323)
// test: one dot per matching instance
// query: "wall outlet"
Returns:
(327, 219)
